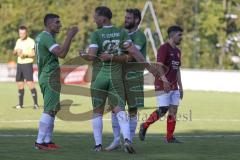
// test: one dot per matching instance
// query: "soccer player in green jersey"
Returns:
(107, 76)
(132, 77)
(48, 52)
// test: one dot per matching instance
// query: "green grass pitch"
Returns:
(208, 124)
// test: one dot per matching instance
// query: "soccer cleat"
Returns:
(172, 140)
(113, 146)
(128, 147)
(142, 132)
(19, 107)
(35, 106)
(41, 146)
(52, 145)
(98, 148)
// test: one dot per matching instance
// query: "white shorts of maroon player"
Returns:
(166, 99)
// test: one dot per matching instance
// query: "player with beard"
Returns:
(106, 50)
(132, 77)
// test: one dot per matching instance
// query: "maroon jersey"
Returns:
(171, 58)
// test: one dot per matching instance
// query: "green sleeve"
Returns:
(49, 42)
(94, 41)
(140, 41)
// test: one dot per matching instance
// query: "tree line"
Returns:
(211, 27)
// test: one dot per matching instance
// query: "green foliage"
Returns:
(203, 21)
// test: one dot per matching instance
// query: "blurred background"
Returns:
(211, 27)
(211, 38)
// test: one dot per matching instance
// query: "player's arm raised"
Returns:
(61, 51)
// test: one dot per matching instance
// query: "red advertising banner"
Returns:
(69, 74)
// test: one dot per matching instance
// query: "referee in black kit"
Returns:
(24, 49)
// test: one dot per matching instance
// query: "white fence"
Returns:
(211, 80)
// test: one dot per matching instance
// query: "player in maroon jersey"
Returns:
(168, 87)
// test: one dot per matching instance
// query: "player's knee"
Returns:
(30, 84)
(51, 113)
(162, 111)
(117, 109)
(97, 115)
(172, 110)
(98, 110)
(20, 85)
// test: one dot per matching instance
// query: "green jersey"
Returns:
(139, 40)
(109, 39)
(133, 73)
(107, 76)
(46, 60)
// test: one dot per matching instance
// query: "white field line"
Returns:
(108, 119)
(109, 136)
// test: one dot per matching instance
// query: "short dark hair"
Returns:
(104, 11)
(136, 13)
(22, 28)
(49, 16)
(174, 28)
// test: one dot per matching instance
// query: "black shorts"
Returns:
(24, 72)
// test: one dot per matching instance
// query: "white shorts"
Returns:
(166, 99)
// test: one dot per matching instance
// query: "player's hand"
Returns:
(166, 86)
(127, 45)
(24, 56)
(72, 31)
(83, 54)
(20, 52)
(181, 93)
(106, 57)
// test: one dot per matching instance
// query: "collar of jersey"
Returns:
(108, 26)
(48, 33)
(132, 32)
(24, 39)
